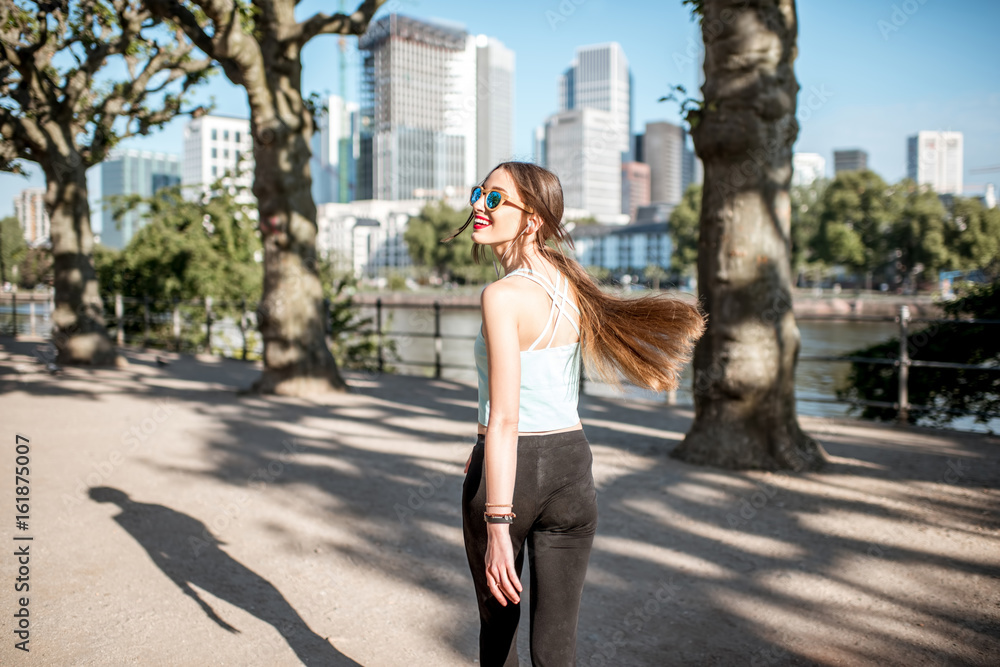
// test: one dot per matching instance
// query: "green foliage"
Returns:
(353, 343)
(582, 222)
(684, 231)
(858, 211)
(919, 234)
(944, 391)
(974, 233)
(449, 260)
(36, 268)
(186, 249)
(13, 249)
(655, 274)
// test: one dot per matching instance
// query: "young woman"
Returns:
(529, 477)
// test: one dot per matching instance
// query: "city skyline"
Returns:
(909, 86)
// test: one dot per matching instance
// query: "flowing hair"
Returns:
(647, 340)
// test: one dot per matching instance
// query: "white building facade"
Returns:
(217, 147)
(582, 149)
(599, 78)
(663, 150)
(936, 159)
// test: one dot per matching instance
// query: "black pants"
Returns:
(556, 506)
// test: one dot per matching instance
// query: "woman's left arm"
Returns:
(503, 350)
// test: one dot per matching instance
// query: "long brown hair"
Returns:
(646, 339)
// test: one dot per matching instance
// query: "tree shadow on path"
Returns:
(184, 549)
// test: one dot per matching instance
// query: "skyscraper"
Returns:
(588, 165)
(133, 172)
(538, 141)
(335, 147)
(663, 149)
(853, 159)
(32, 216)
(418, 110)
(599, 78)
(935, 159)
(635, 188)
(494, 104)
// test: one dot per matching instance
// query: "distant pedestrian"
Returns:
(530, 475)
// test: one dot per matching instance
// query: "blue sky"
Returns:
(885, 69)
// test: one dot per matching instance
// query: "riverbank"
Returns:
(804, 302)
(176, 521)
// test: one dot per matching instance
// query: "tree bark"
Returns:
(744, 365)
(78, 328)
(297, 360)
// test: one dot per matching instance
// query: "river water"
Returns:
(814, 379)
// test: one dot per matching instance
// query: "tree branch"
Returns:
(338, 24)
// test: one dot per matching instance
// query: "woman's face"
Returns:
(504, 223)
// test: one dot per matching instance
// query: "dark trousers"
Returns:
(556, 506)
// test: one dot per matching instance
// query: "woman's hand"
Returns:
(500, 573)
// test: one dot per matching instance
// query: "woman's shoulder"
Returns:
(500, 294)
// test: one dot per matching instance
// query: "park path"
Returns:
(179, 522)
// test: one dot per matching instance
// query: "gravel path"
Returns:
(178, 522)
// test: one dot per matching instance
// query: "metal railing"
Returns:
(903, 362)
(178, 318)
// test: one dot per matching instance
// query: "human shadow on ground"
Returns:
(183, 548)
(666, 532)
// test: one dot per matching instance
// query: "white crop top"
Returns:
(550, 376)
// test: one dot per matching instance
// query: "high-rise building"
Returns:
(807, 168)
(935, 159)
(132, 172)
(418, 110)
(539, 146)
(32, 216)
(853, 159)
(635, 188)
(663, 150)
(494, 104)
(599, 78)
(218, 147)
(587, 164)
(335, 147)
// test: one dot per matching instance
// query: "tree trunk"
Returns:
(297, 361)
(78, 329)
(744, 366)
